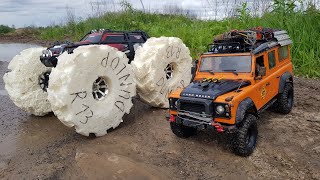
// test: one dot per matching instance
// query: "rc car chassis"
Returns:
(125, 41)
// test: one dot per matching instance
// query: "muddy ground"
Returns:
(24, 36)
(143, 147)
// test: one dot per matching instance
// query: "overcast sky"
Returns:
(47, 12)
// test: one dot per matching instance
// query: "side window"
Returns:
(136, 38)
(114, 39)
(283, 53)
(259, 63)
(272, 59)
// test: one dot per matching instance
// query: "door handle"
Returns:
(268, 84)
(278, 77)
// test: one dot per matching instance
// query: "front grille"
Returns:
(192, 107)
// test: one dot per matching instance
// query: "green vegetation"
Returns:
(5, 29)
(303, 26)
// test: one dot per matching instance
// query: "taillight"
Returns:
(172, 118)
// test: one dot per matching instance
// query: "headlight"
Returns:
(173, 103)
(46, 53)
(220, 110)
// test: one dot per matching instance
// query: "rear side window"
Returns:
(272, 59)
(283, 53)
(136, 38)
(259, 63)
(114, 39)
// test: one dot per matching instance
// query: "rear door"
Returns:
(262, 87)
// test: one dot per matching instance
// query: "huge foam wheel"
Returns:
(26, 82)
(91, 89)
(161, 66)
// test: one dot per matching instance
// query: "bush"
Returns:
(5, 29)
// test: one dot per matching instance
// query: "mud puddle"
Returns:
(9, 50)
(3, 93)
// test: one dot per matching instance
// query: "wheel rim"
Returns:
(251, 136)
(100, 89)
(169, 71)
(44, 80)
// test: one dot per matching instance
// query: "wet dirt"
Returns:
(23, 36)
(143, 147)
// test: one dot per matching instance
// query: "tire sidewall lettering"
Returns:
(173, 51)
(85, 112)
(119, 71)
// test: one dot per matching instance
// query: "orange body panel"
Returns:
(260, 91)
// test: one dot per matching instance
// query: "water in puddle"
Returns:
(8, 51)
(3, 93)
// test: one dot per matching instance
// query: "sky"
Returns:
(22, 13)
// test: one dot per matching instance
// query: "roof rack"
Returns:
(254, 40)
(227, 47)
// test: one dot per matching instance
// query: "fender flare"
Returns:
(245, 105)
(283, 80)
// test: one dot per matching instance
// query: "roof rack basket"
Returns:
(253, 40)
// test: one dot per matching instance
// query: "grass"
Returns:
(5, 29)
(303, 27)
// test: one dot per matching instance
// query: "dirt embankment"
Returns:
(24, 36)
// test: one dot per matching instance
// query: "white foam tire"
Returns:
(149, 66)
(22, 82)
(70, 90)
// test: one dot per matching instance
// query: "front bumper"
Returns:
(201, 123)
(49, 61)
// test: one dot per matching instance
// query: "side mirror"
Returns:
(261, 71)
(194, 68)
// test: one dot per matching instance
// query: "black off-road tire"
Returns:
(284, 103)
(182, 131)
(245, 139)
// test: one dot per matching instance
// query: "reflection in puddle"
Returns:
(31, 132)
(42, 130)
(8, 51)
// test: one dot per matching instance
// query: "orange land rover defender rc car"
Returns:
(244, 73)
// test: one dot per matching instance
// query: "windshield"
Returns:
(93, 38)
(241, 64)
